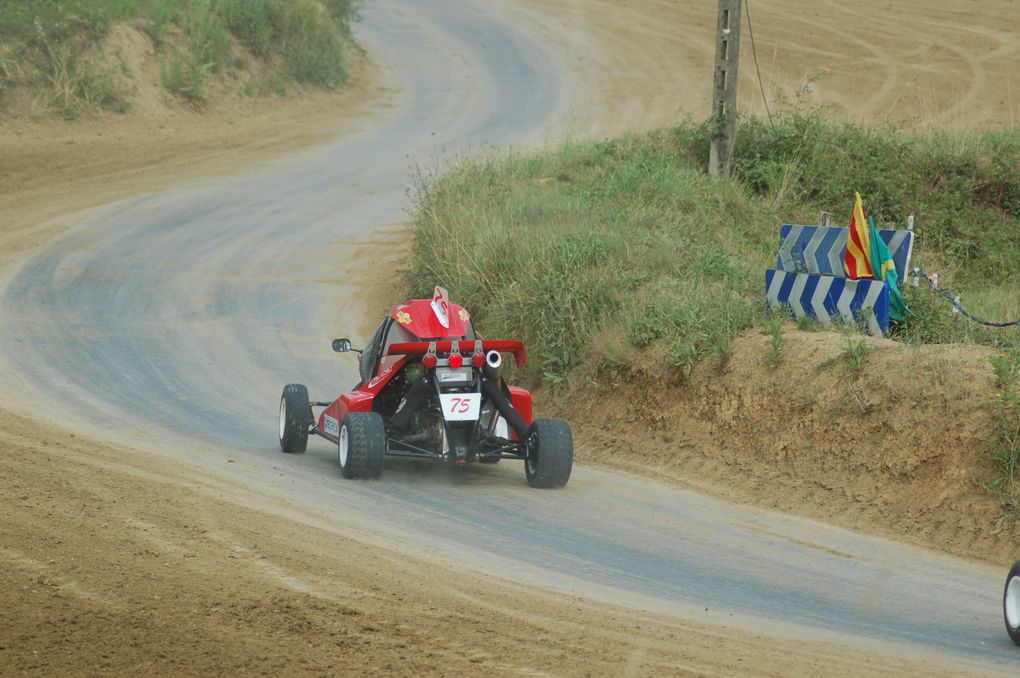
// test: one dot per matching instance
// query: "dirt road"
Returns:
(165, 326)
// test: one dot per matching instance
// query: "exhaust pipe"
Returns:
(494, 392)
(493, 365)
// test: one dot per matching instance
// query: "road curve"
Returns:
(171, 321)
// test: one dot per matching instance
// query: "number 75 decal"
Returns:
(460, 406)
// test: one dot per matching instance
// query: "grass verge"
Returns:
(629, 240)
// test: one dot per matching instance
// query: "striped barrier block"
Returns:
(820, 249)
(827, 298)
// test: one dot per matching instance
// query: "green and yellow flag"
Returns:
(884, 268)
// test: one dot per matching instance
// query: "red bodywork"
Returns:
(418, 317)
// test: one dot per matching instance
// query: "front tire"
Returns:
(1011, 603)
(295, 418)
(550, 453)
(361, 447)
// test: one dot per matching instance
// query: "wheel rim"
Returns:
(1013, 603)
(342, 446)
(283, 417)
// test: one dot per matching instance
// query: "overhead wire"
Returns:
(754, 52)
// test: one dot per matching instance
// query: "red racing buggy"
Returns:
(430, 389)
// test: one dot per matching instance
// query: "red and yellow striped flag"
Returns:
(856, 262)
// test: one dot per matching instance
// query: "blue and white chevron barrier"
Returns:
(820, 249)
(827, 298)
(809, 280)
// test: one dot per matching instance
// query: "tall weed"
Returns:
(183, 75)
(1007, 445)
(315, 50)
(251, 21)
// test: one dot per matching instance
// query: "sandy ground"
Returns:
(207, 578)
(50, 170)
(945, 64)
(117, 563)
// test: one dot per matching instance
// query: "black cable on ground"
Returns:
(955, 301)
(754, 52)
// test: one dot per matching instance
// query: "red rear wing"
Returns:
(465, 346)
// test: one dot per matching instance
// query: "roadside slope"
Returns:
(903, 448)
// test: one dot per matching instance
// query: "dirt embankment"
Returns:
(902, 447)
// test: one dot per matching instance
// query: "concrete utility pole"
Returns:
(724, 90)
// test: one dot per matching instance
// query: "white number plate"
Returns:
(460, 406)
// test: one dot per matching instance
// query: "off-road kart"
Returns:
(1011, 603)
(430, 390)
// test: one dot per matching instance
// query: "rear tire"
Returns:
(361, 448)
(295, 418)
(1011, 603)
(550, 453)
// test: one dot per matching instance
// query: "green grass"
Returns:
(48, 46)
(553, 247)
(52, 48)
(632, 235)
(62, 21)
(964, 188)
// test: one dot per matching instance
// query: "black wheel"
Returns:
(550, 453)
(362, 445)
(1011, 603)
(295, 418)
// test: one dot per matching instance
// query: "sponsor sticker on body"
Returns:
(441, 305)
(461, 406)
(331, 425)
